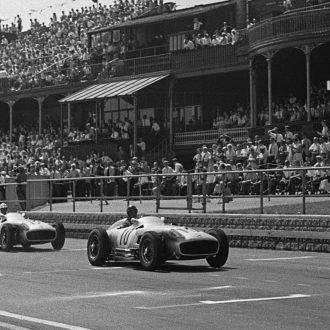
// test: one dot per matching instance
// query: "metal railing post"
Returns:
(158, 193)
(50, 196)
(261, 192)
(101, 195)
(128, 187)
(204, 193)
(303, 188)
(223, 193)
(73, 196)
(189, 192)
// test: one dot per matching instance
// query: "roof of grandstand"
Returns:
(167, 16)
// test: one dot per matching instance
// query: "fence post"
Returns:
(158, 187)
(303, 188)
(223, 193)
(73, 196)
(50, 196)
(261, 192)
(101, 195)
(204, 193)
(128, 188)
(189, 192)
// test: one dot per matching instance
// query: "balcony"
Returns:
(305, 25)
(197, 138)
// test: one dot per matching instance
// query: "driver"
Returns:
(3, 209)
(132, 213)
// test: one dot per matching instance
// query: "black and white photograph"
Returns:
(164, 164)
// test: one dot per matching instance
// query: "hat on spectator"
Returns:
(3, 206)
(319, 156)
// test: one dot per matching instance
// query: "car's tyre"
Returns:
(150, 251)
(98, 247)
(59, 240)
(7, 237)
(221, 257)
(26, 245)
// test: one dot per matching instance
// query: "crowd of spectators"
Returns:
(58, 53)
(200, 38)
(232, 119)
(14, 27)
(293, 109)
(281, 151)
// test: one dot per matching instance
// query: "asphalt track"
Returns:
(257, 289)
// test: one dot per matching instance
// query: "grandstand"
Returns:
(97, 79)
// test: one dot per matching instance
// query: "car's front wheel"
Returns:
(221, 257)
(6, 237)
(98, 247)
(150, 251)
(59, 240)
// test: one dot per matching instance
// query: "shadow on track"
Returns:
(169, 267)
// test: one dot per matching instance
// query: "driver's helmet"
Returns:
(3, 206)
(130, 209)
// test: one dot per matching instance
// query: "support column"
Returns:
(269, 73)
(135, 124)
(62, 124)
(96, 122)
(40, 101)
(253, 114)
(11, 105)
(307, 52)
(69, 117)
(171, 113)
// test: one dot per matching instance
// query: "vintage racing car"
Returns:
(152, 242)
(15, 229)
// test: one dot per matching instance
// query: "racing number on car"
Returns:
(125, 236)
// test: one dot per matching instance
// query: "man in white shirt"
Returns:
(273, 133)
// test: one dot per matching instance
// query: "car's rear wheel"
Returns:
(221, 257)
(150, 251)
(59, 240)
(98, 247)
(7, 237)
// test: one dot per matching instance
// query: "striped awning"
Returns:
(111, 89)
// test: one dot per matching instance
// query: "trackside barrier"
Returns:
(159, 187)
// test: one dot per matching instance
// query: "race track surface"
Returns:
(257, 289)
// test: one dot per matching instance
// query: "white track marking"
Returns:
(94, 295)
(11, 326)
(217, 288)
(105, 268)
(73, 250)
(326, 268)
(287, 258)
(40, 321)
(71, 270)
(292, 296)
(231, 301)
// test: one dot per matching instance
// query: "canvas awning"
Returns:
(112, 89)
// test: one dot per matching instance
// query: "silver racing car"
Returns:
(15, 229)
(152, 242)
